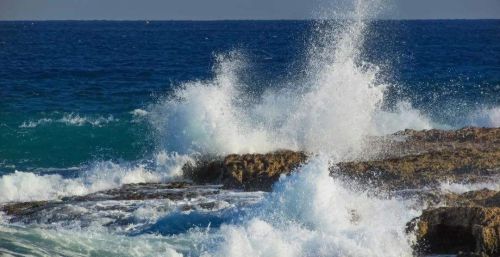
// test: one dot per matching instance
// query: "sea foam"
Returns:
(70, 119)
(311, 214)
(331, 109)
(27, 186)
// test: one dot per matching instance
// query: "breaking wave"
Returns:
(311, 214)
(27, 186)
(331, 110)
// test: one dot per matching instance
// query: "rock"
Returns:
(23, 208)
(56, 210)
(139, 191)
(472, 230)
(425, 169)
(451, 230)
(414, 159)
(483, 197)
(468, 226)
(469, 135)
(410, 159)
(247, 171)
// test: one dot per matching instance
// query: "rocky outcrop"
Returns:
(409, 159)
(414, 159)
(469, 226)
(246, 171)
(482, 198)
(425, 169)
(69, 209)
(465, 230)
(421, 141)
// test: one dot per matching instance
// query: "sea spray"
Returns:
(331, 110)
(485, 117)
(329, 113)
(311, 214)
(27, 186)
(207, 116)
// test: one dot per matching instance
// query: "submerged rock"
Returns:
(76, 207)
(470, 222)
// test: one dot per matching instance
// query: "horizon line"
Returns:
(221, 20)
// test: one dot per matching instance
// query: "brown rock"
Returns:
(417, 158)
(454, 230)
(410, 159)
(469, 226)
(247, 171)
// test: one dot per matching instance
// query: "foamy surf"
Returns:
(27, 186)
(330, 112)
(70, 119)
(311, 214)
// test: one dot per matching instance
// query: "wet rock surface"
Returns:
(407, 159)
(426, 158)
(116, 205)
(247, 171)
(467, 224)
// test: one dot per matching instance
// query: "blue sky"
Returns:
(232, 9)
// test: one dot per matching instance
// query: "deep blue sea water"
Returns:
(93, 105)
(104, 70)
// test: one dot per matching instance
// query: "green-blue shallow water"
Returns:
(93, 106)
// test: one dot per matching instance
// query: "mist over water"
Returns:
(328, 110)
(337, 103)
(312, 214)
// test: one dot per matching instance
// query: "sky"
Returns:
(233, 9)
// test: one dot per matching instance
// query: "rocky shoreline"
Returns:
(466, 224)
(410, 159)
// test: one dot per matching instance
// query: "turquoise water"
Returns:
(92, 106)
(69, 89)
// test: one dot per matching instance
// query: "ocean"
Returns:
(93, 105)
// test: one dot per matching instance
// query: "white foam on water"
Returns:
(486, 117)
(71, 119)
(311, 214)
(332, 109)
(139, 112)
(27, 186)
(34, 124)
(41, 242)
